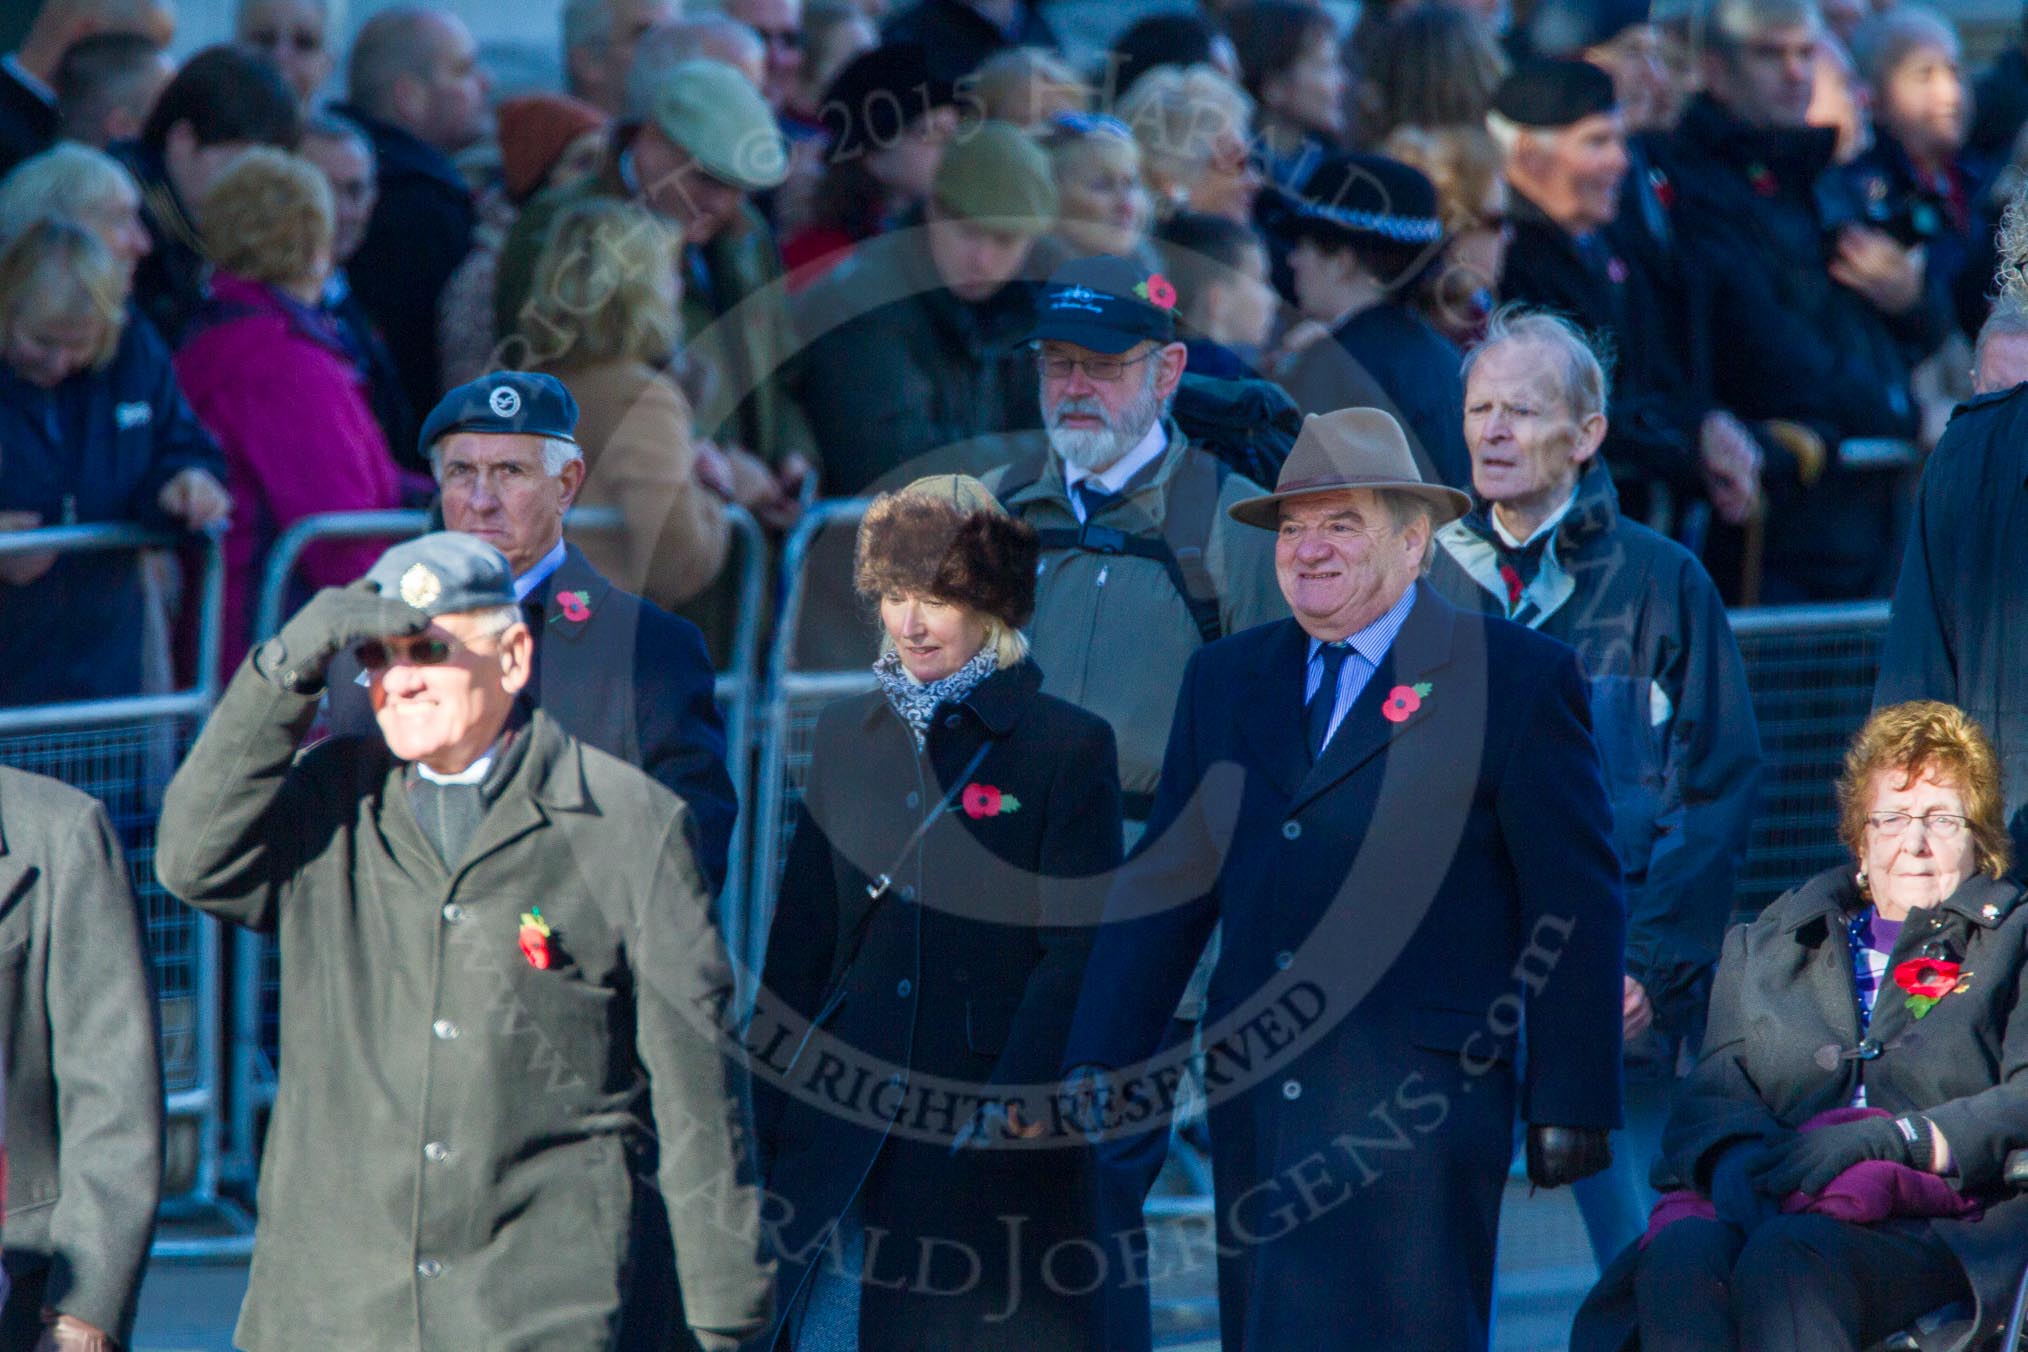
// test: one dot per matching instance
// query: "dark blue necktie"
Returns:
(1092, 496)
(1317, 713)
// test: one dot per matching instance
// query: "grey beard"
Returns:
(1097, 450)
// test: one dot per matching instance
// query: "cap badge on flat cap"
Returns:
(420, 586)
(505, 401)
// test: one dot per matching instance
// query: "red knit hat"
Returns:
(535, 130)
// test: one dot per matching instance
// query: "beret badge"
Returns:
(420, 586)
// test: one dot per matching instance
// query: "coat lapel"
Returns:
(1421, 648)
(1271, 714)
(576, 579)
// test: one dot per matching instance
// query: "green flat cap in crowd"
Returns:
(995, 175)
(720, 119)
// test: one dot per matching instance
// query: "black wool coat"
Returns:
(1959, 611)
(1783, 1044)
(28, 122)
(1387, 356)
(958, 982)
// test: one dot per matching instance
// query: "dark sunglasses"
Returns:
(424, 651)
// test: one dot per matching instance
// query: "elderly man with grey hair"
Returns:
(706, 37)
(600, 38)
(1545, 545)
(498, 958)
(1826, 312)
(613, 670)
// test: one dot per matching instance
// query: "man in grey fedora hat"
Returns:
(495, 947)
(1395, 810)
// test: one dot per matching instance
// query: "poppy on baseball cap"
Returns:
(1554, 92)
(1105, 303)
(504, 403)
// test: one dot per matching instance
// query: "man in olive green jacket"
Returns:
(1115, 623)
(84, 1075)
(499, 966)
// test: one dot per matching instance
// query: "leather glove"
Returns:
(1562, 1155)
(1733, 1195)
(335, 620)
(1811, 1159)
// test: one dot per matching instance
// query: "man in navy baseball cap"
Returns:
(1106, 304)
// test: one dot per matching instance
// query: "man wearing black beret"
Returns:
(1667, 444)
(614, 670)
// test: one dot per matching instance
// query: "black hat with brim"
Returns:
(1350, 198)
(1105, 303)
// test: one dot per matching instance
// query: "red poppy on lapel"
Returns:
(575, 605)
(1928, 980)
(983, 800)
(534, 939)
(1404, 700)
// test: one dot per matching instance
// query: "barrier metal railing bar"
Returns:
(124, 749)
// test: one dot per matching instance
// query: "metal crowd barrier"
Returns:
(256, 994)
(123, 751)
(1811, 670)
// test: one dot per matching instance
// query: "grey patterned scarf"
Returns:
(915, 702)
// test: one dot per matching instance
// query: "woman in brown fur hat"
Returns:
(927, 948)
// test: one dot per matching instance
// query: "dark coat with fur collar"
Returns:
(959, 980)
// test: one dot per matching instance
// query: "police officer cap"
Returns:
(445, 573)
(504, 402)
(1553, 92)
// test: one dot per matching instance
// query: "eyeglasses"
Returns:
(1942, 825)
(1103, 370)
(424, 650)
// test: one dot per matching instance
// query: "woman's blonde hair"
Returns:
(1943, 739)
(602, 288)
(1027, 86)
(1178, 115)
(68, 180)
(1463, 163)
(61, 253)
(268, 217)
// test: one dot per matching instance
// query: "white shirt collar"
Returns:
(1555, 520)
(27, 79)
(1115, 476)
(475, 773)
(539, 574)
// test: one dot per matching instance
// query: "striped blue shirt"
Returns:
(1368, 646)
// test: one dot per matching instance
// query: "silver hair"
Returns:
(1583, 366)
(1883, 42)
(497, 619)
(68, 180)
(2008, 319)
(1731, 24)
(556, 453)
(669, 45)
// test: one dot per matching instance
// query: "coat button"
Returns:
(1290, 830)
(1292, 1090)
(445, 1029)
(1869, 1049)
(903, 987)
(914, 799)
(428, 1267)
(453, 912)
(436, 1152)
(954, 722)
(1285, 960)
(908, 893)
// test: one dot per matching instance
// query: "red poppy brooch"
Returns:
(1404, 700)
(1928, 980)
(534, 939)
(1157, 291)
(983, 800)
(575, 605)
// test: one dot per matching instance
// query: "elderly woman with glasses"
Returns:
(1842, 1148)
